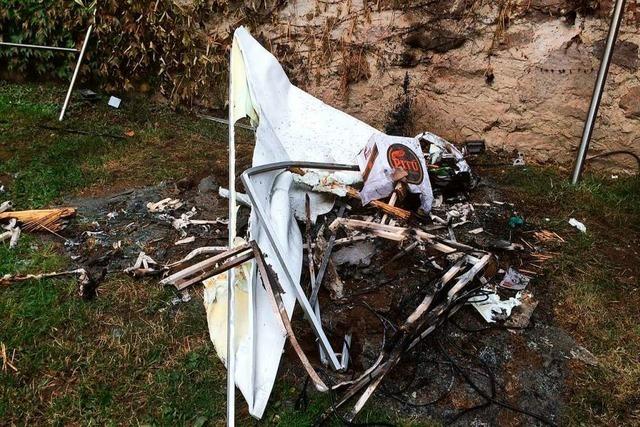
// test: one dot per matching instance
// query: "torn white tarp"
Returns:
(492, 308)
(291, 125)
(385, 155)
(440, 148)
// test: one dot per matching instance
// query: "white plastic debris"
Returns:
(492, 308)
(519, 160)
(515, 280)
(5, 206)
(577, 224)
(163, 205)
(114, 102)
(440, 148)
(142, 262)
(15, 236)
(12, 233)
(521, 317)
(185, 241)
(241, 198)
(112, 215)
(476, 230)
(382, 157)
(185, 296)
(183, 221)
(291, 125)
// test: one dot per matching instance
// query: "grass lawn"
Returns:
(129, 357)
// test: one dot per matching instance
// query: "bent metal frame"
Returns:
(80, 53)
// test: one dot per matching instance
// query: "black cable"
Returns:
(489, 398)
(302, 402)
(615, 152)
(397, 395)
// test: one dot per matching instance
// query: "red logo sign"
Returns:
(401, 156)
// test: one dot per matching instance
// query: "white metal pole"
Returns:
(231, 362)
(41, 47)
(75, 73)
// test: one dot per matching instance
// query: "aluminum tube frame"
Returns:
(40, 47)
(225, 122)
(614, 28)
(263, 217)
(231, 297)
(75, 73)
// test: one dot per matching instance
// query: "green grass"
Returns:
(595, 282)
(609, 202)
(41, 165)
(125, 356)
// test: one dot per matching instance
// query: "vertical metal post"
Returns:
(231, 356)
(614, 28)
(75, 73)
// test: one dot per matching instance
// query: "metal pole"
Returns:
(225, 122)
(266, 223)
(614, 28)
(75, 73)
(35, 46)
(231, 356)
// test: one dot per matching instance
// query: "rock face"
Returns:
(518, 73)
(630, 102)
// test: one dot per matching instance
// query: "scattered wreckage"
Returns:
(344, 182)
(355, 207)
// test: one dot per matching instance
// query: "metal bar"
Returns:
(279, 308)
(225, 122)
(308, 229)
(344, 359)
(39, 47)
(227, 265)
(326, 257)
(231, 356)
(263, 217)
(614, 28)
(75, 73)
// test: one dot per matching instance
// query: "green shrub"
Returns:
(174, 47)
(52, 23)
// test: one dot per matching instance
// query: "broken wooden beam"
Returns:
(392, 232)
(386, 208)
(202, 266)
(40, 219)
(276, 300)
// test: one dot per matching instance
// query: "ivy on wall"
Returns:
(166, 45)
(52, 23)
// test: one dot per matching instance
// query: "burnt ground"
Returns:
(524, 368)
(527, 369)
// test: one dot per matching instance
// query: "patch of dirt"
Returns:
(112, 230)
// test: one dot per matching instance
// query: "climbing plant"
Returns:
(53, 23)
(168, 45)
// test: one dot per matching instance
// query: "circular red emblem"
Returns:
(401, 156)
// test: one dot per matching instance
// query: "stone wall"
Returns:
(518, 74)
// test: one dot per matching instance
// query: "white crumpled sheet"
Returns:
(292, 125)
